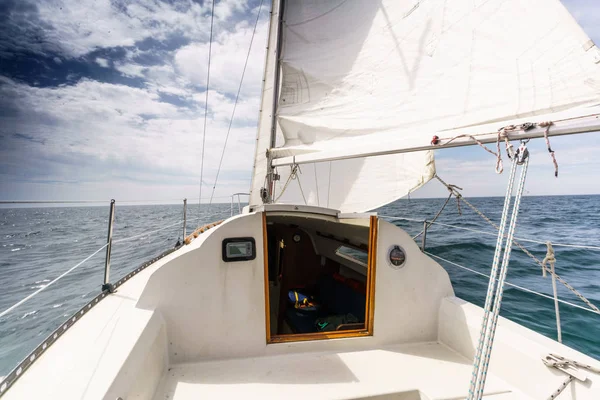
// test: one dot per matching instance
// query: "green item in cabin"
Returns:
(331, 323)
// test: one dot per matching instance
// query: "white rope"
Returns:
(9, 309)
(477, 374)
(524, 289)
(551, 260)
(146, 233)
(491, 329)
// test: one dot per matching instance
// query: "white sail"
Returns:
(341, 185)
(358, 184)
(389, 74)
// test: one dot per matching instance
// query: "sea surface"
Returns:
(39, 244)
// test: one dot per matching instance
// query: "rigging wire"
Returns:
(212, 18)
(236, 101)
(512, 284)
(146, 233)
(9, 309)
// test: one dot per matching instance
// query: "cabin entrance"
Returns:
(319, 277)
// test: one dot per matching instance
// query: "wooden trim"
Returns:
(370, 304)
(302, 337)
(266, 278)
(370, 313)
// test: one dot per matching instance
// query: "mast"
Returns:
(271, 176)
(262, 174)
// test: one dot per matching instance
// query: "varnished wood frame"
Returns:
(369, 311)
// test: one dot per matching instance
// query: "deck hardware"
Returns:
(238, 249)
(396, 257)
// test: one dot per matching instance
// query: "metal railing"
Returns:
(238, 202)
(107, 287)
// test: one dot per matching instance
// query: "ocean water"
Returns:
(39, 244)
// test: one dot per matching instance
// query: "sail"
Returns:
(356, 185)
(390, 74)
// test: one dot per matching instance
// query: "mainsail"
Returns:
(365, 77)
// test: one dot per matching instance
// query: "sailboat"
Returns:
(308, 295)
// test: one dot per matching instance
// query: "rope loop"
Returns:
(549, 259)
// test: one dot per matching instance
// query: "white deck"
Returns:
(431, 368)
(178, 330)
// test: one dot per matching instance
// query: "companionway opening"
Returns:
(319, 277)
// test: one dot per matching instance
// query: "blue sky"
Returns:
(104, 99)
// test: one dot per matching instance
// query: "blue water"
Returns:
(38, 244)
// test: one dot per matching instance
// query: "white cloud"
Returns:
(129, 131)
(85, 25)
(103, 62)
(228, 56)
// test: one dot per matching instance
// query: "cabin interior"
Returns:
(318, 276)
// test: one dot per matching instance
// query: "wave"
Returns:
(29, 313)
(58, 305)
(38, 287)
(42, 281)
(17, 249)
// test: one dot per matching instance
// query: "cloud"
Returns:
(127, 134)
(75, 28)
(192, 60)
(104, 98)
(103, 62)
(90, 131)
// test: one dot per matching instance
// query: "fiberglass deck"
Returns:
(395, 372)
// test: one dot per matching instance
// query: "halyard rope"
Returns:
(479, 356)
(491, 328)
